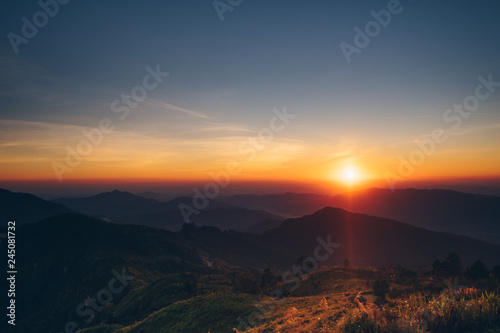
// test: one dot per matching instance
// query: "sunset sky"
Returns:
(228, 80)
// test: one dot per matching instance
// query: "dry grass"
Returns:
(466, 310)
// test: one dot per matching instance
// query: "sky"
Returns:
(281, 90)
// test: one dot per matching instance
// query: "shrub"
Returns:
(477, 271)
(381, 288)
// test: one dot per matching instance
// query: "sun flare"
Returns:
(349, 175)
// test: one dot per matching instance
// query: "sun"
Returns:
(349, 175)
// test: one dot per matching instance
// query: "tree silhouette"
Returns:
(452, 266)
(268, 282)
(346, 262)
(381, 288)
(496, 272)
(477, 271)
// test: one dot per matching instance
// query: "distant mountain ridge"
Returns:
(473, 215)
(27, 208)
(374, 241)
(127, 208)
(70, 257)
(289, 204)
(367, 241)
(478, 189)
(112, 204)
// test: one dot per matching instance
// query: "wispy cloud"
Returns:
(340, 154)
(22, 79)
(465, 130)
(474, 128)
(171, 107)
(38, 144)
(219, 127)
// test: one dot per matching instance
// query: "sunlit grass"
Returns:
(465, 310)
(332, 300)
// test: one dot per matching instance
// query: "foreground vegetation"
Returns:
(336, 299)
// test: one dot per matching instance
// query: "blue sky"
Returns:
(264, 55)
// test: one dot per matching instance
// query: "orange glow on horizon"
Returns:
(355, 171)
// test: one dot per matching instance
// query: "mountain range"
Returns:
(127, 208)
(27, 208)
(473, 215)
(69, 257)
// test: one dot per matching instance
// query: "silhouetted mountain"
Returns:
(472, 215)
(27, 208)
(156, 196)
(367, 241)
(67, 258)
(287, 204)
(228, 218)
(213, 204)
(265, 225)
(474, 189)
(235, 218)
(120, 203)
(374, 241)
(127, 208)
(112, 204)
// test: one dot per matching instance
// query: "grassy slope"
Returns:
(209, 313)
(324, 302)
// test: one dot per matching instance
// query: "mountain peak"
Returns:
(15, 204)
(330, 211)
(118, 194)
(116, 191)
